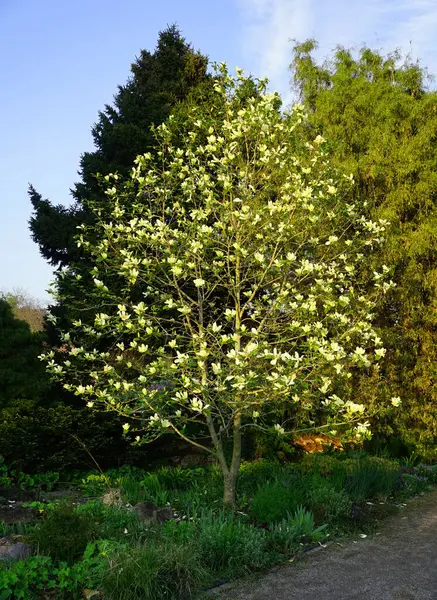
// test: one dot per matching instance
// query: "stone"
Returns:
(12, 548)
(192, 460)
(149, 514)
(112, 497)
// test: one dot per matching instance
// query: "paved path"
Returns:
(399, 564)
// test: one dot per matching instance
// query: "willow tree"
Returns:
(249, 256)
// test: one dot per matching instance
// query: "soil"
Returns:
(397, 563)
(12, 499)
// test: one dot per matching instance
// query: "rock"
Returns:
(192, 460)
(149, 514)
(11, 548)
(112, 497)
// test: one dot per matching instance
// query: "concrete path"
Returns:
(398, 564)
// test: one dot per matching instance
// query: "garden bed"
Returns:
(132, 534)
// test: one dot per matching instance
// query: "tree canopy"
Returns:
(22, 376)
(237, 209)
(381, 121)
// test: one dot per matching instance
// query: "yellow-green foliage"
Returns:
(382, 124)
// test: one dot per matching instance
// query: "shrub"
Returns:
(428, 471)
(229, 547)
(371, 480)
(64, 533)
(38, 439)
(328, 504)
(132, 490)
(182, 532)
(40, 577)
(323, 464)
(95, 484)
(26, 579)
(415, 484)
(253, 475)
(178, 478)
(285, 536)
(154, 490)
(274, 501)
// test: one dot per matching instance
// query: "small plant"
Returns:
(64, 533)
(132, 490)
(428, 471)
(25, 579)
(182, 531)
(253, 475)
(304, 523)
(229, 547)
(41, 577)
(40, 507)
(328, 504)
(415, 484)
(154, 490)
(177, 478)
(5, 474)
(371, 481)
(274, 501)
(285, 536)
(94, 484)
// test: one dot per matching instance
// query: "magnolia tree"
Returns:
(231, 273)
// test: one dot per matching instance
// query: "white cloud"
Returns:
(268, 26)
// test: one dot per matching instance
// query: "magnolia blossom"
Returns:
(279, 429)
(235, 268)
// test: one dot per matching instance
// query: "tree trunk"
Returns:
(230, 489)
(230, 476)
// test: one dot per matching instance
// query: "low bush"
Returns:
(328, 504)
(37, 439)
(254, 475)
(178, 478)
(285, 536)
(64, 533)
(369, 480)
(428, 471)
(107, 549)
(181, 531)
(274, 501)
(414, 484)
(41, 577)
(228, 547)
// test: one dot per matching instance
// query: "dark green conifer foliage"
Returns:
(22, 376)
(173, 75)
(159, 81)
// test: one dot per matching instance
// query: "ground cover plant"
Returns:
(101, 543)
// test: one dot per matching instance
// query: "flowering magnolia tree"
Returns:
(231, 269)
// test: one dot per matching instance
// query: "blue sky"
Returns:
(60, 62)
